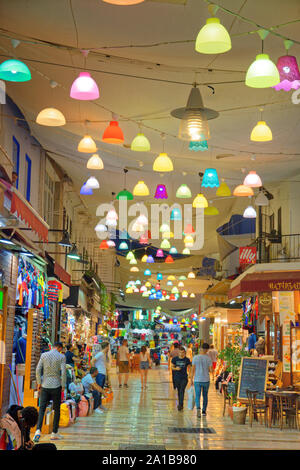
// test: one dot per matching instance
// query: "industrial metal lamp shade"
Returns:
(262, 73)
(140, 144)
(289, 73)
(51, 117)
(95, 163)
(252, 180)
(14, 71)
(84, 87)
(261, 132)
(249, 213)
(87, 145)
(73, 254)
(194, 126)
(65, 241)
(210, 178)
(113, 134)
(141, 189)
(223, 190)
(213, 38)
(163, 163)
(200, 201)
(183, 192)
(243, 191)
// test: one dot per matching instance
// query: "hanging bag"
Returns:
(191, 398)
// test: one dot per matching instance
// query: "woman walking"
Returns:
(145, 364)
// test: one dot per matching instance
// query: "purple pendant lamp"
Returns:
(161, 192)
(289, 73)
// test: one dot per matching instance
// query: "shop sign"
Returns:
(284, 286)
(265, 303)
(247, 255)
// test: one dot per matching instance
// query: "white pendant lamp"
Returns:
(250, 213)
(87, 145)
(92, 183)
(95, 163)
(261, 199)
(51, 117)
(252, 180)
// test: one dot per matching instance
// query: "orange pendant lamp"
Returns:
(113, 134)
(242, 190)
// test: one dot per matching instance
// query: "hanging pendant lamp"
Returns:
(103, 245)
(147, 273)
(92, 183)
(210, 178)
(150, 259)
(85, 190)
(95, 163)
(140, 143)
(134, 269)
(143, 240)
(123, 246)
(125, 194)
(189, 229)
(165, 245)
(163, 163)
(164, 228)
(123, 2)
(73, 254)
(159, 253)
(252, 180)
(113, 134)
(289, 73)
(261, 132)
(198, 146)
(261, 199)
(173, 250)
(175, 215)
(211, 210)
(136, 227)
(169, 259)
(101, 228)
(84, 87)
(133, 261)
(183, 192)
(130, 255)
(223, 190)
(200, 201)
(50, 117)
(243, 191)
(14, 70)
(213, 38)
(262, 73)
(87, 145)
(142, 220)
(111, 243)
(161, 192)
(186, 251)
(141, 189)
(250, 213)
(191, 275)
(188, 239)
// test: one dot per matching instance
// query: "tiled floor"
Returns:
(136, 417)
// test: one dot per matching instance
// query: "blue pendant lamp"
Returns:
(85, 190)
(175, 214)
(210, 178)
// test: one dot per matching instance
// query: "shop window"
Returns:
(28, 177)
(16, 158)
(49, 199)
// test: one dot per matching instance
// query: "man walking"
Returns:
(201, 367)
(123, 363)
(180, 367)
(174, 352)
(99, 361)
(51, 382)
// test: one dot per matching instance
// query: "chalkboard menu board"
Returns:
(253, 376)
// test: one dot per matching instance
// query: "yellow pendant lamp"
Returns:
(223, 190)
(134, 269)
(261, 132)
(87, 145)
(200, 202)
(140, 143)
(167, 235)
(163, 163)
(191, 275)
(95, 163)
(144, 259)
(188, 239)
(211, 210)
(141, 189)
(165, 245)
(51, 117)
(213, 38)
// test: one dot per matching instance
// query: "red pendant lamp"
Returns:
(169, 259)
(113, 134)
(103, 245)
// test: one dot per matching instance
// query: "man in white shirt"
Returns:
(99, 361)
(90, 386)
(123, 363)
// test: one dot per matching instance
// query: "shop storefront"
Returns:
(271, 292)
(226, 326)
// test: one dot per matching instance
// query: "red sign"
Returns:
(247, 255)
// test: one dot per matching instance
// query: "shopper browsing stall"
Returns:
(90, 386)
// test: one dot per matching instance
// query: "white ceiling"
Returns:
(54, 31)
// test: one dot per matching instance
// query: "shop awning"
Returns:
(27, 214)
(266, 282)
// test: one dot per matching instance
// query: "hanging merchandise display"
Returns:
(84, 87)
(51, 117)
(213, 38)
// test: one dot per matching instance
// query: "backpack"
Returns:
(83, 406)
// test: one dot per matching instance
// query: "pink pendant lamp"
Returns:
(289, 73)
(84, 88)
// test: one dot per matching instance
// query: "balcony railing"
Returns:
(278, 248)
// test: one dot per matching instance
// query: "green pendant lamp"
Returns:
(183, 192)
(14, 71)
(262, 73)
(213, 38)
(125, 194)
